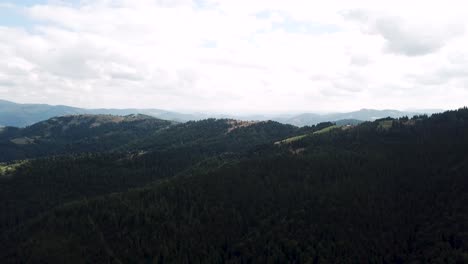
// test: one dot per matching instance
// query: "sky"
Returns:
(236, 56)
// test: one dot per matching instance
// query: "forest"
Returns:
(136, 189)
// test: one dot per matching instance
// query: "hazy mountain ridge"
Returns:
(21, 115)
(351, 117)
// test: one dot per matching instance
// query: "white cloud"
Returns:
(407, 37)
(224, 55)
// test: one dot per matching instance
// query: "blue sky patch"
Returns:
(14, 16)
(209, 44)
(296, 26)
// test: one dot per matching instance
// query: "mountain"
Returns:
(227, 191)
(21, 115)
(140, 150)
(75, 134)
(352, 117)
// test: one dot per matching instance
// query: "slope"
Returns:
(75, 134)
(22, 115)
(36, 186)
(361, 195)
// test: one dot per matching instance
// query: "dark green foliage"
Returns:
(214, 134)
(42, 184)
(39, 185)
(367, 194)
(345, 122)
(75, 134)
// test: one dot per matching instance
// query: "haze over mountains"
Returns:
(21, 115)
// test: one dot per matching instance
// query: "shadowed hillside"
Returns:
(388, 191)
(30, 187)
(75, 134)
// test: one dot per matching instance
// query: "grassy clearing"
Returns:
(22, 141)
(6, 169)
(325, 130)
(386, 124)
(296, 138)
(291, 139)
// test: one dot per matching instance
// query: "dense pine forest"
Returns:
(136, 189)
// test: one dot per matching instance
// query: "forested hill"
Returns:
(389, 191)
(75, 134)
(105, 154)
(22, 115)
(108, 133)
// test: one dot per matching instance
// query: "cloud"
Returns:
(360, 60)
(410, 38)
(445, 75)
(237, 55)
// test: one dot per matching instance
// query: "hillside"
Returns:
(75, 134)
(22, 115)
(387, 191)
(27, 188)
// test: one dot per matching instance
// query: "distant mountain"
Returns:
(21, 115)
(356, 116)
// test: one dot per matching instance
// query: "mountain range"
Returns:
(87, 188)
(138, 189)
(21, 115)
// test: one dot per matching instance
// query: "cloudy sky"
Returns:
(236, 55)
